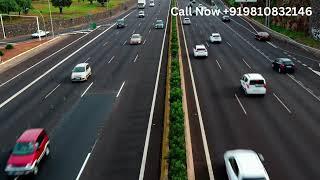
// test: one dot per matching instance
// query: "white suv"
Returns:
(200, 51)
(253, 83)
(244, 165)
(215, 38)
(81, 72)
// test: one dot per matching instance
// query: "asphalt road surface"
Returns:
(98, 128)
(283, 126)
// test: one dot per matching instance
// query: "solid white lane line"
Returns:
(207, 44)
(144, 41)
(146, 143)
(124, 43)
(246, 63)
(83, 166)
(111, 59)
(87, 59)
(51, 91)
(53, 68)
(135, 59)
(281, 102)
(228, 43)
(304, 65)
(105, 43)
(149, 30)
(243, 109)
(203, 132)
(318, 98)
(271, 44)
(120, 89)
(218, 64)
(86, 90)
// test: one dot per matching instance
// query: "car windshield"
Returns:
(287, 62)
(120, 21)
(23, 148)
(78, 69)
(201, 49)
(216, 35)
(135, 36)
(256, 82)
(159, 22)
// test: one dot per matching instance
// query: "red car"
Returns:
(27, 153)
(263, 36)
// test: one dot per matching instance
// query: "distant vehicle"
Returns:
(186, 21)
(151, 3)
(226, 18)
(81, 72)
(141, 4)
(136, 39)
(215, 38)
(200, 51)
(141, 14)
(262, 36)
(120, 23)
(29, 150)
(253, 83)
(159, 24)
(244, 165)
(283, 65)
(40, 33)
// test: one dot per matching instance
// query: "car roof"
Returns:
(285, 59)
(186, 18)
(200, 46)
(159, 20)
(249, 163)
(215, 34)
(30, 135)
(255, 76)
(136, 35)
(263, 33)
(81, 65)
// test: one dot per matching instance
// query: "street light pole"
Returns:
(267, 20)
(4, 33)
(51, 19)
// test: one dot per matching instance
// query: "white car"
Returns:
(200, 51)
(151, 4)
(136, 39)
(253, 83)
(141, 14)
(215, 38)
(244, 164)
(186, 21)
(40, 33)
(81, 72)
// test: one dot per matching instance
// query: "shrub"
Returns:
(1, 53)
(9, 46)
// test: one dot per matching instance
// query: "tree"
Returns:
(24, 6)
(7, 6)
(102, 2)
(61, 4)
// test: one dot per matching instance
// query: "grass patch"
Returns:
(298, 36)
(177, 150)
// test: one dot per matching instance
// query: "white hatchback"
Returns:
(244, 165)
(253, 83)
(81, 72)
(215, 38)
(200, 51)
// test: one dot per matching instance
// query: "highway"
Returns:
(100, 128)
(283, 126)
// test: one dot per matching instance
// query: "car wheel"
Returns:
(35, 170)
(47, 151)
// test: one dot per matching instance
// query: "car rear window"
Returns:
(23, 148)
(287, 62)
(256, 82)
(135, 36)
(201, 49)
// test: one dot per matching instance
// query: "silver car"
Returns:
(186, 21)
(136, 39)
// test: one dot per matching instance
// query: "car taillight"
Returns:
(265, 85)
(282, 66)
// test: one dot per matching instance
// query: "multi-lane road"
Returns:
(283, 126)
(100, 128)
(110, 127)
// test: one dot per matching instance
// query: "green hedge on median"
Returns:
(177, 150)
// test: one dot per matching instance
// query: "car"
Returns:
(226, 18)
(151, 4)
(200, 51)
(283, 65)
(141, 14)
(245, 164)
(262, 36)
(253, 83)
(186, 21)
(215, 38)
(159, 24)
(28, 152)
(120, 23)
(81, 72)
(136, 39)
(40, 33)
